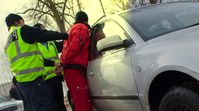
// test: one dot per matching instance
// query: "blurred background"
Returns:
(56, 15)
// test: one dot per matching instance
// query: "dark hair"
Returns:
(99, 27)
(81, 16)
(11, 19)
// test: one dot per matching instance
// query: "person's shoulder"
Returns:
(81, 26)
(26, 28)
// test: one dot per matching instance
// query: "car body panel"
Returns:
(128, 72)
(113, 82)
(10, 105)
(164, 58)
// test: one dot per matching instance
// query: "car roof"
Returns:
(142, 8)
(158, 5)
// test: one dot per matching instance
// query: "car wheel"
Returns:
(180, 99)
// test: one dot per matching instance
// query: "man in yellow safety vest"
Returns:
(27, 63)
(50, 51)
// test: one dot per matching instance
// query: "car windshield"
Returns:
(151, 22)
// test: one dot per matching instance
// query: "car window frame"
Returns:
(117, 49)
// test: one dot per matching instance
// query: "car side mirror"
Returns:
(109, 43)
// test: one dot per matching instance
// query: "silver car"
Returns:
(10, 105)
(146, 59)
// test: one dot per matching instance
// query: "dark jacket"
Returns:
(31, 35)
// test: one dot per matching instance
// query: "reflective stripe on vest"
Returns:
(30, 70)
(25, 54)
(53, 58)
(50, 72)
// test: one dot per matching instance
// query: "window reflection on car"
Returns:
(168, 19)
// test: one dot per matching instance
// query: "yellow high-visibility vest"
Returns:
(25, 59)
(49, 52)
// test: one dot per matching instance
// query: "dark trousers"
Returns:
(37, 95)
(55, 85)
(27, 106)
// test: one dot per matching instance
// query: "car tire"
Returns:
(180, 98)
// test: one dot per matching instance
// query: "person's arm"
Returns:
(48, 63)
(59, 46)
(58, 66)
(32, 35)
(78, 40)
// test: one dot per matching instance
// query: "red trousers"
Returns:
(78, 87)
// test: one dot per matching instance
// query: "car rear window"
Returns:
(153, 21)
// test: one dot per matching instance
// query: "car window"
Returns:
(104, 30)
(151, 22)
(112, 28)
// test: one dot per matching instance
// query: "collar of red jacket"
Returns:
(84, 24)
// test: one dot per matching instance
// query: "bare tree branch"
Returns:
(78, 4)
(63, 10)
(55, 10)
(122, 4)
(40, 17)
(35, 10)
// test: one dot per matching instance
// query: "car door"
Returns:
(110, 75)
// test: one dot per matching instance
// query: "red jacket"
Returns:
(75, 49)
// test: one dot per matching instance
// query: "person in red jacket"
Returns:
(74, 59)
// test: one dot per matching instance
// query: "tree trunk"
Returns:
(57, 18)
(79, 5)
